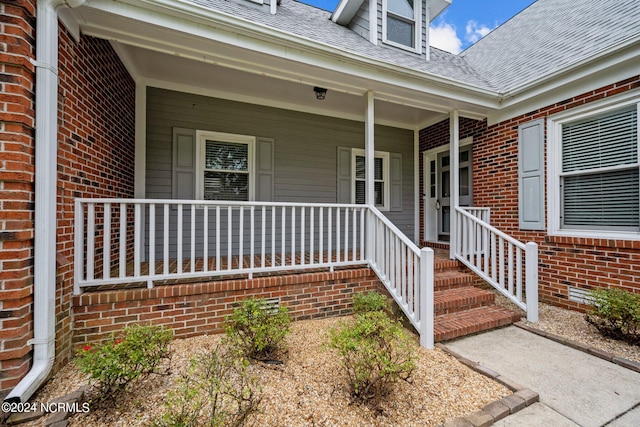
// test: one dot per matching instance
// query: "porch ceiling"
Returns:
(219, 63)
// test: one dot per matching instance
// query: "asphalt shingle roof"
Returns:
(550, 35)
(545, 37)
(315, 24)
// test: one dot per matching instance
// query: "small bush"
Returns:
(372, 301)
(121, 360)
(616, 314)
(218, 390)
(257, 331)
(376, 352)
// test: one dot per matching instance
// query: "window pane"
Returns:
(378, 169)
(360, 192)
(360, 167)
(603, 141)
(608, 200)
(378, 193)
(446, 185)
(226, 186)
(400, 31)
(464, 181)
(401, 8)
(226, 156)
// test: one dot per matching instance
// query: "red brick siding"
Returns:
(200, 308)
(95, 153)
(564, 262)
(17, 80)
(95, 159)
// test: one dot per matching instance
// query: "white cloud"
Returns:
(476, 31)
(443, 36)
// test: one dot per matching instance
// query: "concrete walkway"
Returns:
(575, 388)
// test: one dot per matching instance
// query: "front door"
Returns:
(437, 197)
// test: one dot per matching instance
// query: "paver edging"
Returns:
(605, 355)
(494, 411)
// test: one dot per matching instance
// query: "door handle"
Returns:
(438, 204)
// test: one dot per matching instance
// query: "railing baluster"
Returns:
(263, 253)
(123, 240)
(346, 234)
(193, 238)
(501, 281)
(303, 232)
(137, 239)
(229, 238)
(165, 238)
(180, 226)
(218, 232)
(321, 234)
(106, 242)
(337, 234)
(205, 238)
(312, 233)
(283, 233)
(78, 251)
(330, 236)
(362, 234)
(241, 239)
(510, 264)
(494, 261)
(152, 239)
(293, 235)
(273, 236)
(253, 241)
(354, 234)
(91, 236)
(518, 274)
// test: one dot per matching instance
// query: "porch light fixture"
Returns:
(321, 93)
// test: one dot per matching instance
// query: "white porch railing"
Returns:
(502, 261)
(123, 241)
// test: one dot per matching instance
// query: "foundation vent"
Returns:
(580, 295)
(271, 305)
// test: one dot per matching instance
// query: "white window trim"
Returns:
(554, 164)
(386, 176)
(417, 29)
(202, 137)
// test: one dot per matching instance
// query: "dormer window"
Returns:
(401, 23)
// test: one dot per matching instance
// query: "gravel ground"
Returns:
(307, 390)
(572, 325)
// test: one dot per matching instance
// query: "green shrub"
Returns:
(257, 331)
(372, 301)
(123, 359)
(218, 390)
(616, 314)
(376, 352)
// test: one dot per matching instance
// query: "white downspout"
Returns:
(46, 149)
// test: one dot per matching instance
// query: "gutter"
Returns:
(46, 148)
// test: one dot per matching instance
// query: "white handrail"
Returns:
(507, 264)
(122, 241)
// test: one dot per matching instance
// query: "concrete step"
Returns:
(459, 299)
(451, 279)
(454, 325)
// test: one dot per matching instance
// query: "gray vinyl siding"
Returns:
(360, 22)
(305, 150)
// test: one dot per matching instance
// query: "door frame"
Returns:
(430, 214)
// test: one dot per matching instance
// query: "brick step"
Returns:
(454, 325)
(459, 299)
(452, 279)
(441, 265)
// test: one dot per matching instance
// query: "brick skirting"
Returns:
(200, 308)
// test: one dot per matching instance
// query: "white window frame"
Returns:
(386, 176)
(417, 27)
(554, 164)
(202, 137)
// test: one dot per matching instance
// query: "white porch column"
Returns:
(454, 149)
(369, 146)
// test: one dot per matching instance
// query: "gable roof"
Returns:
(550, 36)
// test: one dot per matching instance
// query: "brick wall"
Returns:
(95, 159)
(564, 262)
(95, 152)
(17, 79)
(196, 309)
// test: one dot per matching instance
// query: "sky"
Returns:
(461, 24)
